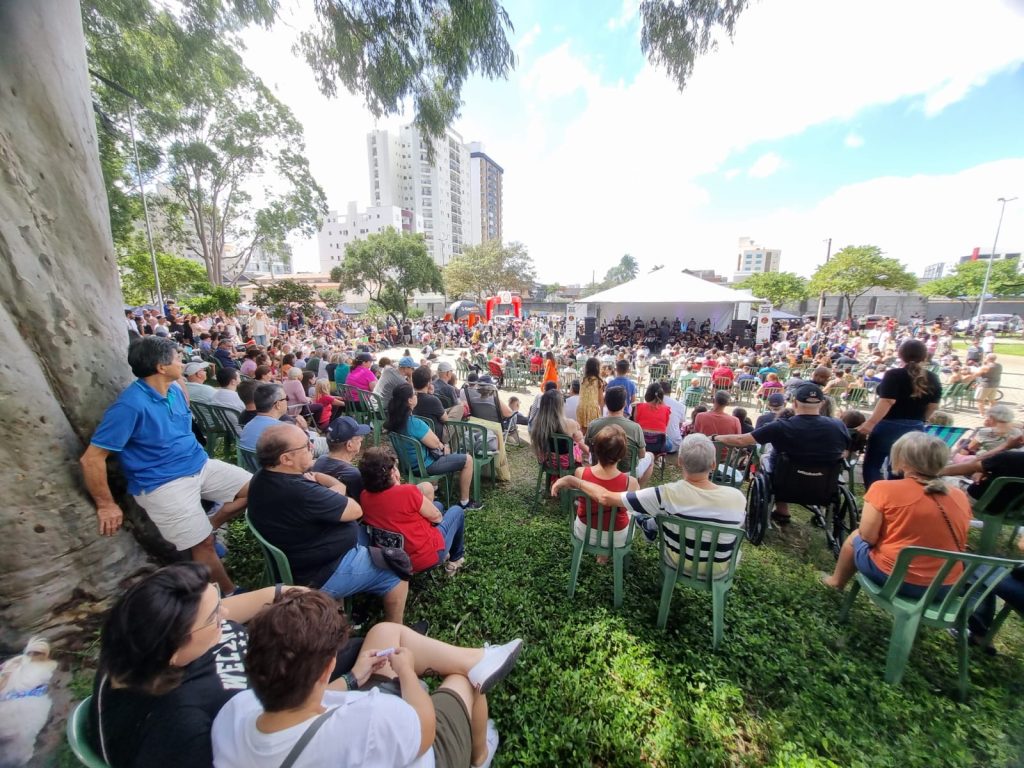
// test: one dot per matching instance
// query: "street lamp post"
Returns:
(992, 256)
(821, 297)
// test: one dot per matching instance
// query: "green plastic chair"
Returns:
(552, 467)
(471, 439)
(696, 570)
(949, 435)
(246, 459)
(276, 569)
(951, 395)
(77, 727)
(628, 463)
(215, 426)
(374, 407)
(856, 397)
(1002, 504)
(598, 541)
(416, 471)
(746, 390)
(950, 610)
(733, 468)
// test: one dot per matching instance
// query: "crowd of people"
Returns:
(181, 643)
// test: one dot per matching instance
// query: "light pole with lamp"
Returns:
(821, 297)
(992, 256)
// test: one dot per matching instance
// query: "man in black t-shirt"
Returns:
(1006, 461)
(426, 403)
(344, 440)
(308, 516)
(806, 437)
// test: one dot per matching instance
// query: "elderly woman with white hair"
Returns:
(694, 496)
(297, 395)
(997, 430)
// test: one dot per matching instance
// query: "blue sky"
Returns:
(872, 123)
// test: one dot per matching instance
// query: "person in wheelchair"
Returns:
(806, 439)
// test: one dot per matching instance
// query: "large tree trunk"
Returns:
(61, 326)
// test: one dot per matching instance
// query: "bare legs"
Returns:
(394, 604)
(845, 567)
(204, 553)
(466, 479)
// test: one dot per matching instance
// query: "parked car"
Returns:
(998, 322)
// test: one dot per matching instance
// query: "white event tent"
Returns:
(670, 292)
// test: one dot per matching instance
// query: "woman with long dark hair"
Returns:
(907, 396)
(549, 421)
(439, 460)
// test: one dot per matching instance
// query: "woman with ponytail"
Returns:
(918, 511)
(907, 396)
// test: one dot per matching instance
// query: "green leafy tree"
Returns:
(855, 270)
(483, 270)
(214, 298)
(278, 298)
(627, 269)
(389, 267)
(777, 287)
(965, 283)
(179, 277)
(330, 297)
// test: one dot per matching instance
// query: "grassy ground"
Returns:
(1004, 346)
(789, 687)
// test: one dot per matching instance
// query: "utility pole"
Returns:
(821, 298)
(992, 256)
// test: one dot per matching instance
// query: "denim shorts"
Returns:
(867, 566)
(357, 573)
(450, 462)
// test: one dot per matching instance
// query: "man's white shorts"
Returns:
(644, 463)
(176, 507)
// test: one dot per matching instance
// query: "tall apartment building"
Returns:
(338, 231)
(486, 192)
(754, 258)
(402, 175)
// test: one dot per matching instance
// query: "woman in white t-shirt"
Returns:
(293, 715)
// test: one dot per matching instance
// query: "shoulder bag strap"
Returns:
(305, 738)
(949, 525)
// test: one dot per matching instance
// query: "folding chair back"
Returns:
(276, 569)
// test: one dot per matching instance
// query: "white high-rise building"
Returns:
(438, 193)
(340, 230)
(754, 258)
(486, 196)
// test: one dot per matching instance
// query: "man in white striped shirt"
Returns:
(694, 497)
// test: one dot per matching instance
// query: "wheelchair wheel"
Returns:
(758, 508)
(842, 518)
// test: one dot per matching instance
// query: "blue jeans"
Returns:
(356, 573)
(1010, 589)
(452, 527)
(880, 443)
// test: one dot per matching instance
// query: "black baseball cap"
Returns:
(810, 393)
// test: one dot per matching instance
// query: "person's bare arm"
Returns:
(882, 407)
(599, 494)
(404, 665)
(431, 441)
(431, 513)
(736, 440)
(1009, 445)
(870, 524)
(242, 608)
(966, 468)
(94, 470)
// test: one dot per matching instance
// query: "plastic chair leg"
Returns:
(536, 491)
(997, 624)
(904, 631)
(668, 584)
(719, 591)
(618, 563)
(577, 558)
(963, 655)
(844, 612)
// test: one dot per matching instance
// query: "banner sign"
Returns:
(764, 324)
(571, 318)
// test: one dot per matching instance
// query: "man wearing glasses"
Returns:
(308, 516)
(149, 427)
(271, 404)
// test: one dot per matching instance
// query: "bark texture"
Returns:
(61, 326)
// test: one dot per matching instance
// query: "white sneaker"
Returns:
(497, 662)
(492, 744)
(452, 566)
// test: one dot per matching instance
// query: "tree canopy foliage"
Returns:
(483, 270)
(627, 269)
(389, 267)
(209, 130)
(966, 281)
(278, 298)
(417, 51)
(214, 298)
(675, 33)
(179, 277)
(777, 287)
(855, 270)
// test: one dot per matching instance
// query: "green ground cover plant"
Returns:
(790, 686)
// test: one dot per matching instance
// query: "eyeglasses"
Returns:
(308, 445)
(281, 399)
(215, 616)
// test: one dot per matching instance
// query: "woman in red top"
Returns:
(609, 448)
(652, 415)
(431, 535)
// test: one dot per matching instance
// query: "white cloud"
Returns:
(766, 165)
(558, 73)
(853, 141)
(630, 12)
(528, 39)
(732, 173)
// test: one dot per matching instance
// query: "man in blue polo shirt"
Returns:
(150, 428)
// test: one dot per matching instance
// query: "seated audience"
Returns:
(653, 415)
(551, 421)
(344, 441)
(920, 510)
(432, 535)
(290, 662)
(310, 518)
(227, 395)
(615, 402)
(717, 421)
(609, 448)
